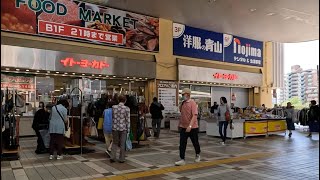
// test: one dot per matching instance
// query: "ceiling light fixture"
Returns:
(73, 73)
(27, 70)
(114, 76)
(100, 75)
(83, 74)
(38, 71)
(17, 69)
(57, 72)
(7, 69)
(48, 71)
(252, 10)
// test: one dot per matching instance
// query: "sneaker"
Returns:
(182, 162)
(309, 135)
(59, 157)
(223, 143)
(197, 158)
(51, 157)
(290, 134)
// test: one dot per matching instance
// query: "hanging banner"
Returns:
(17, 82)
(197, 43)
(242, 51)
(80, 21)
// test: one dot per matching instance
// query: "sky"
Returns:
(305, 54)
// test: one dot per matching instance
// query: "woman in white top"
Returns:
(223, 123)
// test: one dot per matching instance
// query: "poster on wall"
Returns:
(242, 51)
(17, 82)
(80, 21)
(167, 95)
(197, 43)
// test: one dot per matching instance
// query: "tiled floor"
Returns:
(275, 157)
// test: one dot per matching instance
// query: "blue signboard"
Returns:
(202, 44)
(242, 51)
(197, 43)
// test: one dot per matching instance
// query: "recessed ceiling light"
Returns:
(97, 79)
(100, 75)
(83, 74)
(38, 71)
(183, 81)
(114, 76)
(92, 74)
(140, 78)
(61, 88)
(128, 77)
(120, 84)
(73, 73)
(57, 90)
(125, 83)
(57, 72)
(252, 10)
(271, 14)
(7, 69)
(107, 76)
(65, 73)
(27, 70)
(48, 71)
(17, 69)
(146, 78)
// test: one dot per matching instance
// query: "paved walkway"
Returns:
(275, 157)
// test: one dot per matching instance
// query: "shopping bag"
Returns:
(100, 123)
(93, 130)
(147, 132)
(131, 136)
(67, 132)
(45, 135)
(128, 143)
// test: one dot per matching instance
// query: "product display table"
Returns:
(237, 132)
(256, 127)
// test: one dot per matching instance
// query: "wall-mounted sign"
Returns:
(81, 21)
(225, 76)
(243, 51)
(203, 44)
(168, 95)
(17, 82)
(203, 74)
(197, 43)
(84, 63)
(48, 60)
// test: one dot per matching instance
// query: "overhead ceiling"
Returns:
(265, 20)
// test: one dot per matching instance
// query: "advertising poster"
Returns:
(80, 21)
(168, 95)
(17, 82)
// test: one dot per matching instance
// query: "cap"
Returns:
(186, 91)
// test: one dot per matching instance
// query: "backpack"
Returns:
(107, 123)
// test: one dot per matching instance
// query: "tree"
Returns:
(296, 102)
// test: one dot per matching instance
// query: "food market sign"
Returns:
(80, 21)
(203, 44)
(17, 82)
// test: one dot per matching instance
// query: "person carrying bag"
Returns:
(58, 127)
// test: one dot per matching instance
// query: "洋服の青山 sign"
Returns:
(76, 20)
(203, 44)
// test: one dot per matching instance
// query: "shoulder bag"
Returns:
(227, 114)
(67, 132)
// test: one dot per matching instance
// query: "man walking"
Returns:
(156, 109)
(313, 118)
(188, 126)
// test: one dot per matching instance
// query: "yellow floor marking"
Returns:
(193, 166)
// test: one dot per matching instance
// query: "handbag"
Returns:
(93, 130)
(128, 142)
(100, 123)
(227, 114)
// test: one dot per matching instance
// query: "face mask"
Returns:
(184, 98)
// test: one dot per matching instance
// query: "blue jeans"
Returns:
(224, 125)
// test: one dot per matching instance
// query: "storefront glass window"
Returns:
(202, 96)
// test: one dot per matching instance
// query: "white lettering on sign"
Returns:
(246, 49)
(194, 42)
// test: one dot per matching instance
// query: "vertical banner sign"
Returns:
(167, 95)
(197, 43)
(80, 21)
(242, 51)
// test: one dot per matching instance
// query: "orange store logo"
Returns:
(84, 63)
(225, 76)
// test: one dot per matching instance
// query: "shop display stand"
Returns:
(12, 153)
(77, 141)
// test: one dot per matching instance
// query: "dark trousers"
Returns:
(56, 143)
(119, 140)
(156, 126)
(223, 134)
(193, 134)
(40, 143)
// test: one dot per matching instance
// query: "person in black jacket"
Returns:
(156, 109)
(313, 118)
(40, 122)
